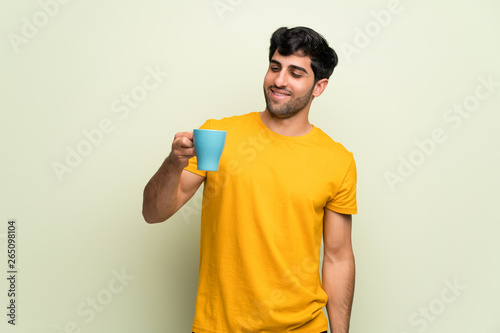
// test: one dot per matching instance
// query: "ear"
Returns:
(319, 87)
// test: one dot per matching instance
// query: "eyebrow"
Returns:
(292, 66)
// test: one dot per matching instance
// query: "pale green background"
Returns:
(440, 224)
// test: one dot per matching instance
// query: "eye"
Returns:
(296, 75)
(275, 69)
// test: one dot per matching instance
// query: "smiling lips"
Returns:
(279, 93)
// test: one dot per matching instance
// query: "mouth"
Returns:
(276, 93)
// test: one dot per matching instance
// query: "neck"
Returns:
(296, 125)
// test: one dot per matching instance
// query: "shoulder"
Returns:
(230, 122)
(332, 149)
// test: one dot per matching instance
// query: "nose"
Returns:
(280, 80)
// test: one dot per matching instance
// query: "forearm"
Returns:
(160, 194)
(338, 283)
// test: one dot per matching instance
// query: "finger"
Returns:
(182, 143)
(186, 143)
(188, 152)
(188, 135)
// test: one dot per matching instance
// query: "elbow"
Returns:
(151, 216)
(150, 211)
(150, 220)
(148, 217)
(336, 254)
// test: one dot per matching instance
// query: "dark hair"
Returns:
(305, 42)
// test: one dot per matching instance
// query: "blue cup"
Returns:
(208, 145)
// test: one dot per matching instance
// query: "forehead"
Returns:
(293, 60)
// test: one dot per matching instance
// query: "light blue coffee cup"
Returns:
(209, 145)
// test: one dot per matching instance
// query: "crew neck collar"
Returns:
(281, 136)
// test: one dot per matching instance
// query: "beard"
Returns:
(288, 109)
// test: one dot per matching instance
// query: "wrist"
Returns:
(173, 166)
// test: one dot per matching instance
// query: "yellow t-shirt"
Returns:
(261, 228)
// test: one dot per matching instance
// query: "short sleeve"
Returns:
(344, 201)
(193, 164)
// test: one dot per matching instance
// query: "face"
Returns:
(288, 85)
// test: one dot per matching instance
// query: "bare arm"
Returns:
(338, 269)
(171, 186)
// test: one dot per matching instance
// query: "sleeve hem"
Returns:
(195, 171)
(343, 210)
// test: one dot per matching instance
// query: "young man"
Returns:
(282, 184)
